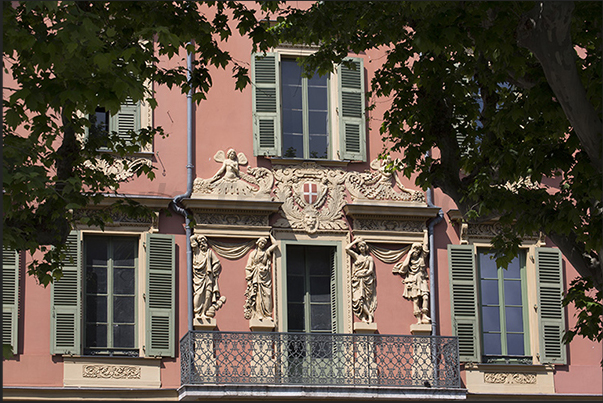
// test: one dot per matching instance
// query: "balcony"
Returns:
(346, 366)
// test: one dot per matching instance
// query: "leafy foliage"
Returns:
(484, 106)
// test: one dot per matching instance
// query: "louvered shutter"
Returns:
(464, 303)
(266, 104)
(352, 123)
(334, 294)
(66, 300)
(550, 310)
(126, 120)
(160, 292)
(10, 297)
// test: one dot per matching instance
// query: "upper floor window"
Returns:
(489, 306)
(503, 308)
(130, 118)
(307, 117)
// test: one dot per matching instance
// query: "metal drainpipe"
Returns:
(189, 189)
(432, 223)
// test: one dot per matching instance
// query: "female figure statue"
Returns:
(413, 270)
(258, 274)
(364, 299)
(206, 269)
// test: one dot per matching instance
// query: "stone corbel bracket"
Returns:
(388, 222)
(232, 218)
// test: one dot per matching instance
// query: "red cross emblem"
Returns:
(310, 192)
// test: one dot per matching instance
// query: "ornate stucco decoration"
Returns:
(364, 290)
(312, 197)
(379, 184)
(231, 182)
(111, 371)
(509, 377)
(123, 168)
(206, 270)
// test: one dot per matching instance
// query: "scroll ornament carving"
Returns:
(379, 184)
(230, 180)
(123, 168)
(388, 225)
(312, 196)
(509, 377)
(111, 371)
(231, 219)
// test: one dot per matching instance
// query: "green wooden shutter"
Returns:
(160, 292)
(334, 294)
(550, 311)
(352, 123)
(126, 120)
(65, 311)
(10, 297)
(266, 104)
(464, 301)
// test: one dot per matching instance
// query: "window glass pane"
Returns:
(491, 318)
(123, 336)
(515, 344)
(489, 292)
(293, 146)
(514, 318)
(319, 261)
(513, 269)
(295, 288)
(96, 335)
(487, 266)
(295, 260)
(320, 315)
(96, 280)
(96, 308)
(123, 309)
(290, 72)
(318, 123)
(295, 317)
(292, 122)
(317, 97)
(292, 96)
(96, 252)
(319, 146)
(123, 281)
(124, 252)
(512, 292)
(320, 289)
(492, 344)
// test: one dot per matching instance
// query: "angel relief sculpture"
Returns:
(230, 180)
(379, 183)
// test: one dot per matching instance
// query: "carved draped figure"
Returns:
(259, 285)
(364, 301)
(206, 269)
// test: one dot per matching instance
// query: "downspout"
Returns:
(432, 223)
(189, 189)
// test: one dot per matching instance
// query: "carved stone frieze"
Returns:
(111, 371)
(120, 219)
(312, 197)
(122, 168)
(509, 377)
(379, 184)
(231, 181)
(231, 219)
(366, 224)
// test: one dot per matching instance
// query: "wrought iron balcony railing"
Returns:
(212, 357)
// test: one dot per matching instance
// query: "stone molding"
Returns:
(111, 371)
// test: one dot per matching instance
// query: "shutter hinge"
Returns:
(532, 257)
(535, 307)
(144, 245)
(144, 296)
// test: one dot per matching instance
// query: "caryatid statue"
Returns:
(206, 270)
(414, 271)
(258, 273)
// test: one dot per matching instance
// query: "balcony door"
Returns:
(311, 311)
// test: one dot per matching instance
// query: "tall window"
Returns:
(110, 295)
(305, 113)
(503, 307)
(311, 289)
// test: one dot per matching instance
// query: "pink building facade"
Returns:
(144, 311)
